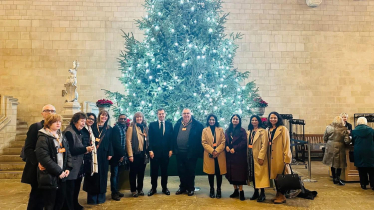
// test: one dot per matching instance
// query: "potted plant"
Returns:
(104, 104)
(258, 106)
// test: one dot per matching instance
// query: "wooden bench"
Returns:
(317, 143)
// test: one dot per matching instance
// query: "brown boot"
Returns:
(281, 199)
(276, 197)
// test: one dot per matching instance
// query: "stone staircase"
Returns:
(11, 165)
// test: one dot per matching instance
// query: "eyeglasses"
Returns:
(50, 111)
(91, 119)
(124, 119)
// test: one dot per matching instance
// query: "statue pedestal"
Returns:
(70, 108)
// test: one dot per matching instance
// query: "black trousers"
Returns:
(363, 172)
(137, 169)
(156, 163)
(36, 201)
(217, 172)
(72, 192)
(54, 199)
(186, 170)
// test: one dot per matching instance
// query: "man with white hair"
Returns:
(30, 170)
(362, 139)
(186, 142)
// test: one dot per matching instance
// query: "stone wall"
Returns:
(8, 120)
(311, 62)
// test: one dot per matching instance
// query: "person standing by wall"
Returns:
(362, 139)
(29, 175)
(336, 136)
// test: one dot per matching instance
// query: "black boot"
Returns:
(255, 195)
(241, 196)
(262, 196)
(334, 180)
(218, 193)
(338, 172)
(211, 194)
(363, 186)
(235, 194)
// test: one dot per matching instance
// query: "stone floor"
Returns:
(14, 195)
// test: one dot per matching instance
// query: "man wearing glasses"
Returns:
(187, 147)
(118, 144)
(29, 172)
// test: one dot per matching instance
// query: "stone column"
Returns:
(69, 109)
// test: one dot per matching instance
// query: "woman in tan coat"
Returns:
(258, 166)
(336, 136)
(137, 145)
(279, 150)
(213, 141)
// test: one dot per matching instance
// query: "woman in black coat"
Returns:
(236, 156)
(95, 184)
(52, 153)
(74, 134)
(362, 138)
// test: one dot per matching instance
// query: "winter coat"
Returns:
(236, 163)
(46, 154)
(207, 140)
(195, 149)
(260, 148)
(29, 171)
(336, 137)
(362, 138)
(97, 183)
(279, 152)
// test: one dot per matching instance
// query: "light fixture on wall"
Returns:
(313, 3)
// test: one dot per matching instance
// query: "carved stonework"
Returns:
(313, 3)
(70, 93)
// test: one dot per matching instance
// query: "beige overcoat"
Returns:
(337, 138)
(260, 149)
(279, 152)
(207, 139)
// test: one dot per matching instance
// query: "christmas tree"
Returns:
(185, 60)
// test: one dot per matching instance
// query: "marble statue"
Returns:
(71, 94)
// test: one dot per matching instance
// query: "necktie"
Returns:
(162, 128)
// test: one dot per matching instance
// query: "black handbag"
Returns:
(286, 182)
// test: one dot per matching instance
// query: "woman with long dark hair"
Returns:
(137, 146)
(279, 151)
(236, 156)
(95, 185)
(213, 141)
(258, 168)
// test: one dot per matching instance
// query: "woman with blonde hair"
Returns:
(137, 145)
(348, 125)
(336, 136)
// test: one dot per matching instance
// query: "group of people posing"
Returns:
(57, 161)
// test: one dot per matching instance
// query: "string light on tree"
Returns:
(184, 60)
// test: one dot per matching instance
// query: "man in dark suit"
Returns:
(29, 172)
(118, 144)
(187, 147)
(159, 135)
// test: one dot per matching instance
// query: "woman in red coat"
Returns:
(236, 156)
